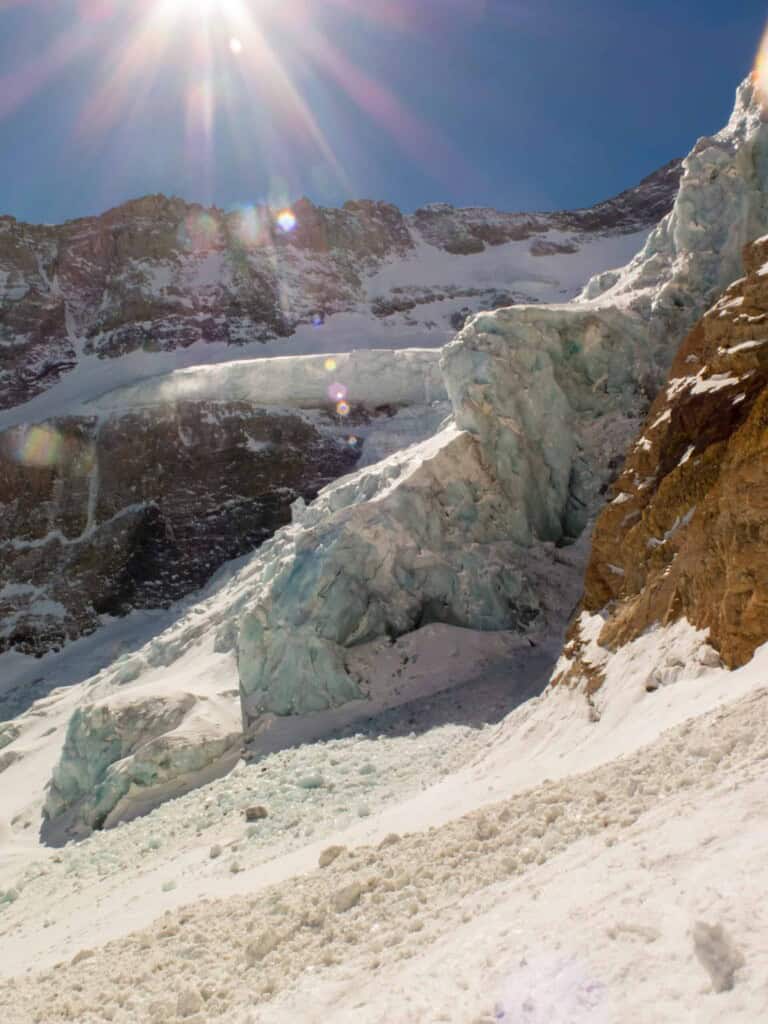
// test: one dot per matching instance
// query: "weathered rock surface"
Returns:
(686, 534)
(158, 275)
(140, 509)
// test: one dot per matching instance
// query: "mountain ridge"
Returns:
(158, 275)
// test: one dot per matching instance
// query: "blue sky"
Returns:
(520, 105)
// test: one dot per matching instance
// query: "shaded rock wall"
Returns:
(102, 515)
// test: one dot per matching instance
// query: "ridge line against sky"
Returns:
(500, 103)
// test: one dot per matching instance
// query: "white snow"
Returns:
(664, 418)
(714, 383)
(743, 346)
(687, 454)
(548, 854)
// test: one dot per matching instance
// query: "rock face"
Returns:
(686, 535)
(141, 509)
(135, 502)
(160, 275)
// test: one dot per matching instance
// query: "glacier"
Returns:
(483, 526)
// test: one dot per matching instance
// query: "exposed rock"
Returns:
(139, 509)
(470, 230)
(685, 535)
(256, 813)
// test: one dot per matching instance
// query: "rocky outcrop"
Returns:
(471, 230)
(686, 534)
(138, 500)
(158, 275)
(141, 509)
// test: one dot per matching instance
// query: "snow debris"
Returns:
(465, 896)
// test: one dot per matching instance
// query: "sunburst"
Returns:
(224, 52)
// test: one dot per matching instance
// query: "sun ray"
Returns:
(760, 71)
(136, 71)
(380, 103)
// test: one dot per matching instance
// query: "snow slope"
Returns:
(479, 897)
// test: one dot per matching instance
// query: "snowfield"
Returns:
(456, 885)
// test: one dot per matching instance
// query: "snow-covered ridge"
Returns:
(158, 284)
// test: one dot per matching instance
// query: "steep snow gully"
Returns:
(420, 829)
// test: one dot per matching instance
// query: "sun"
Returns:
(200, 10)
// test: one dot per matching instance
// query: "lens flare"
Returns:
(39, 447)
(330, 364)
(337, 392)
(353, 441)
(251, 226)
(43, 447)
(286, 220)
(200, 231)
(342, 409)
(760, 71)
(236, 46)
